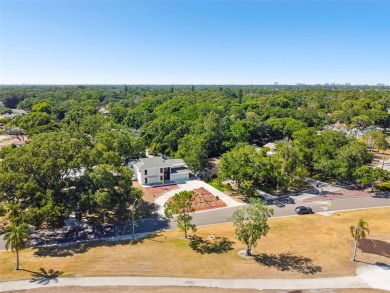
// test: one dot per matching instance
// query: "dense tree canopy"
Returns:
(75, 157)
(58, 173)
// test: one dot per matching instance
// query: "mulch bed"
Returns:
(204, 200)
(150, 193)
(156, 191)
(373, 246)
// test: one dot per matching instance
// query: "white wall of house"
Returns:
(138, 174)
(153, 176)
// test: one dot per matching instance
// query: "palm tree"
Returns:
(359, 232)
(16, 239)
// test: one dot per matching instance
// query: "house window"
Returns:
(161, 170)
(146, 180)
(146, 172)
(161, 178)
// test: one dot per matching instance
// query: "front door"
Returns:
(167, 174)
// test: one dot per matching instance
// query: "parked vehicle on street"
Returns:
(303, 210)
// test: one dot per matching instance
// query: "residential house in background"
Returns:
(272, 148)
(136, 132)
(104, 111)
(157, 170)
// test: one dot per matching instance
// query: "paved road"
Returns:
(219, 216)
(216, 216)
(367, 277)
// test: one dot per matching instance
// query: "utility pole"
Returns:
(132, 208)
(383, 162)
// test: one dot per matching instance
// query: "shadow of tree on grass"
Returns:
(82, 247)
(288, 262)
(375, 246)
(218, 245)
(44, 277)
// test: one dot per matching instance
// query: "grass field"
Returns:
(296, 247)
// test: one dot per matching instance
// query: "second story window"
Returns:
(146, 172)
(161, 170)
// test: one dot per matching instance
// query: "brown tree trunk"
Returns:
(17, 259)
(354, 252)
(248, 250)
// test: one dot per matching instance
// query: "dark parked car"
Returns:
(303, 210)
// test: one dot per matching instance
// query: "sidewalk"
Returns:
(303, 196)
(368, 277)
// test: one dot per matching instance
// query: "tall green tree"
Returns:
(367, 176)
(165, 133)
(240, 164)
(42, 175)
(16, 239)
(43, 107)
(181, 205)
(376, 139)
(118, 114)
(359, 232)
(36, 122)
(250, 223)
(361, 121)
(193, 151)
(111, 189)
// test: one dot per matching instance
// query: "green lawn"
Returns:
(216, 186)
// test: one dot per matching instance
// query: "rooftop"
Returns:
(158, 162)
(149, 163)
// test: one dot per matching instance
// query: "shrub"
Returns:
(385, 186)
(3, 209)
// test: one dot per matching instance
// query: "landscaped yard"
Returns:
(296, 247)
(205, 200)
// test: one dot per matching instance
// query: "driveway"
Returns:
(191, 185)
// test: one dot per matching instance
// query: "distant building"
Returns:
(8, 140)
(272, 148)
(136, 132)
(104, 111)
(19, 111)
(159, 171)
(10, 116)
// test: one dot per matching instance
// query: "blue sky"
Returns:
(194, 42)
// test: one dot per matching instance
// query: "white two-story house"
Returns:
(159, 171)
